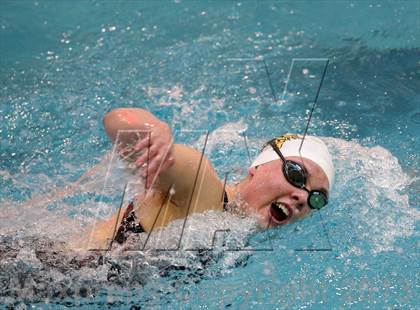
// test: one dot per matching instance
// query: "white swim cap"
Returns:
(313, 148)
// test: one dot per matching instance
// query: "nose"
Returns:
(299, 198)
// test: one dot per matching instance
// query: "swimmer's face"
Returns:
(270, 197)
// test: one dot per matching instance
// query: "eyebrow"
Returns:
(308, 175)
(324, 190)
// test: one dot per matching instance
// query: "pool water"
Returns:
(222, 67)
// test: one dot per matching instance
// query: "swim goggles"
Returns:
(295, 175)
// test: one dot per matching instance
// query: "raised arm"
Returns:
(183, 168)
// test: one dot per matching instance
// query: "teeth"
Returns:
(283, 208)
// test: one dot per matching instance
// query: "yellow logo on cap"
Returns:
(279, 141)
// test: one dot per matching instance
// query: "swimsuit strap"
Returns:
(129, 223)
(225, 201)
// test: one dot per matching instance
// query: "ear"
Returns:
(251, 171)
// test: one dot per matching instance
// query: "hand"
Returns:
(156, 150)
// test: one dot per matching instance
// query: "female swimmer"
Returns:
(281, 185)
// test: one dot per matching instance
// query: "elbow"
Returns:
(125, 119)
(113, 115)
(130, 119)
(114, 121)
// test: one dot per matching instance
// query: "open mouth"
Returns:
(279, 212)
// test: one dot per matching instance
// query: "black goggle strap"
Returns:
(272, 143)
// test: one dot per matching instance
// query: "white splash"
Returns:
(227, 135)
(370, 187)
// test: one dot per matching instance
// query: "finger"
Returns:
(142, 159)
(149, 178)
(143, 143)
(127, 154)
(156, 168)
(149, 181)
(152, 167)
(147, 156)
(166, 149)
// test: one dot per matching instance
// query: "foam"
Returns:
(370, 195)
(369, 210)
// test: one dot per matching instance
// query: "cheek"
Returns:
(267, 190)
(302, 213)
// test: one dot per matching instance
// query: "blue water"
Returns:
(198, 66)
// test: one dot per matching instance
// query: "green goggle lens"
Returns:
(317, 200)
